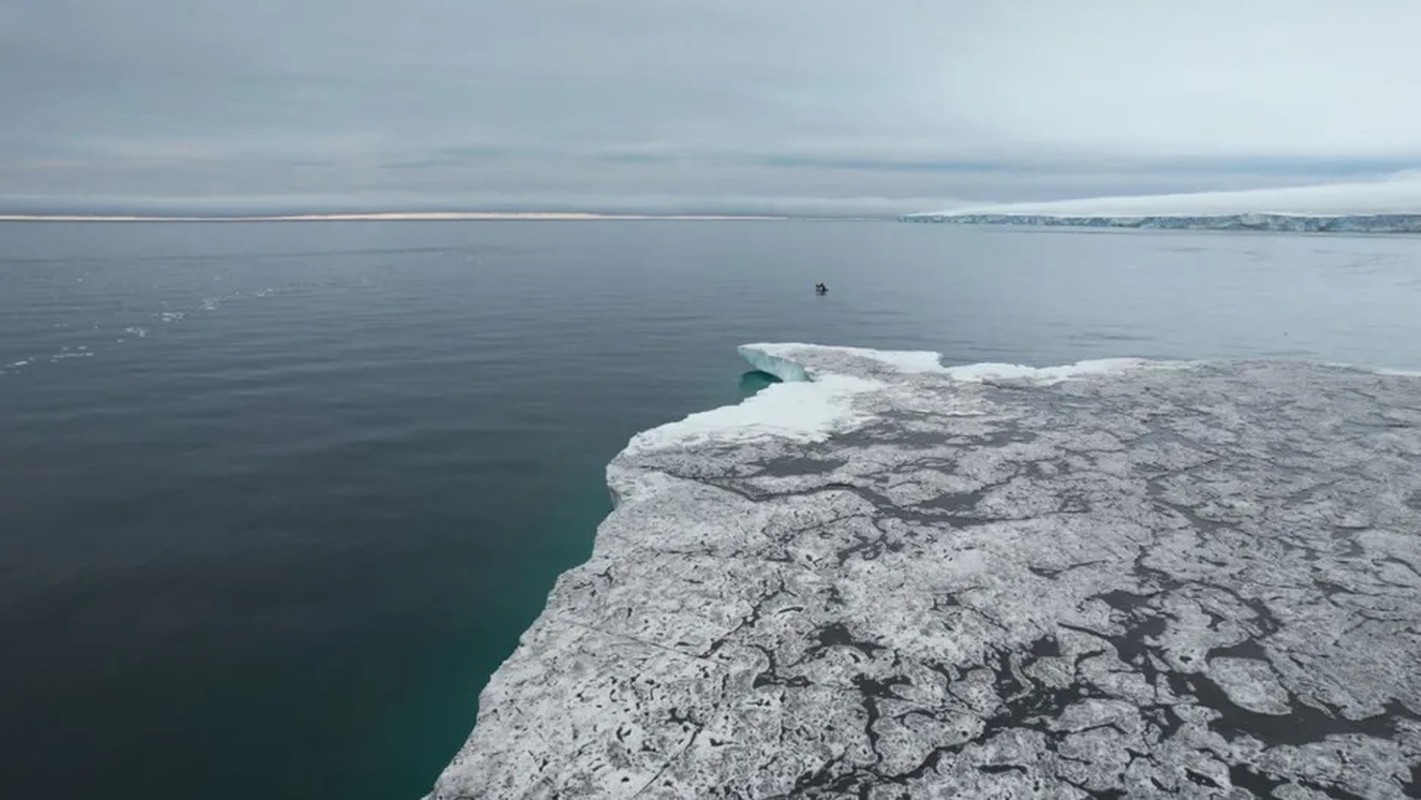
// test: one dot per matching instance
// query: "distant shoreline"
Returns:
(1282, 222)
(387, 216)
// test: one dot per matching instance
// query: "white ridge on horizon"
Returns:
(1396, 194)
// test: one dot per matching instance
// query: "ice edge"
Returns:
(810, 367)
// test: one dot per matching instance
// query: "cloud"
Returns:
(829, 100)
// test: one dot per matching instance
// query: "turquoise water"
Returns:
(276, 498)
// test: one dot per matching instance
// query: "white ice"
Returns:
(1398, 194)
(815, 400)
(798, 410)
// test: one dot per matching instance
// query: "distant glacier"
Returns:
(1389, 205)
(1345, 223)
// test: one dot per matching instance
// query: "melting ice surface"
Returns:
(886, 577)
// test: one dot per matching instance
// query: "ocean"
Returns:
(276, 498)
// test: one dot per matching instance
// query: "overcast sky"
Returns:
(810, 106)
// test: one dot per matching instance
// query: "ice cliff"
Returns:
(1388, 205)
(885, 578)
(1347, 223)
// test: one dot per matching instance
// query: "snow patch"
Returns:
(800, 410)
(976, 373)
(1402, 373)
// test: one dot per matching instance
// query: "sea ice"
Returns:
(888, 578)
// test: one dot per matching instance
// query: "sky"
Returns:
(736, 106)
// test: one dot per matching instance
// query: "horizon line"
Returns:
(412, 216)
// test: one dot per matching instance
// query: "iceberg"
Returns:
(890, 577)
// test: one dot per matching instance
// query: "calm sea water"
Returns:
(276, 498)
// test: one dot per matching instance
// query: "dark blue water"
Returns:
(276, 498)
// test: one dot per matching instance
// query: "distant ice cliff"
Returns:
(1383, 206)
(1368, 223)
(887, 578)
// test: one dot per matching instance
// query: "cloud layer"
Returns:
(693, 105)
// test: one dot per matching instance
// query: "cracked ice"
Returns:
(1115, 580)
